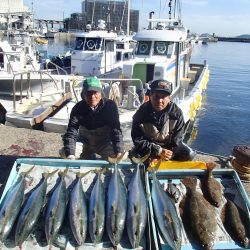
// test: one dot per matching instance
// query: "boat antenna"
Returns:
(108, 17)
(123, 14)
(93, 12)
(128, 18)
(170, 9)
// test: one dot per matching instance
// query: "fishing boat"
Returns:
(41, 40)
(99, 52)
(163, 51)
(29, 111)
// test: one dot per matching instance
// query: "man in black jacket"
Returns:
(158, 126)
(94, 121)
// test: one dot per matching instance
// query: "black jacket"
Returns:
(106, 114)
(146, 114)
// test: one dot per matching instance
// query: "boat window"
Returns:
(120, 46)
(110, 46)
(163, 48)
(79, 43)
(143, 48)
(92, 43)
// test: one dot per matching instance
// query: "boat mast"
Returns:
(128, 17)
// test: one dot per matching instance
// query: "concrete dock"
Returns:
(20, 142)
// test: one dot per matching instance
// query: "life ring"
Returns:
(143, 48)
(161, 48)
(90, 44)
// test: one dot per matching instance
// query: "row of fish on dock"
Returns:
(195, 211)
(117, 209)
(120, 208)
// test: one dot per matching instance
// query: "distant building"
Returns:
(13, 6)
(75, 22)
(115, 13)
(15, 14)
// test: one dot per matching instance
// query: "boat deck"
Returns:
(20, 142)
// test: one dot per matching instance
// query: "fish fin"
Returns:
(168, 217)
(135, 208)
(113, 207)
(94, 213)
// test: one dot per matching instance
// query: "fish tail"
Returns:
(210, 166)
(63, 173)
(81, 175)
(27, 172)
(101, 171)
(49, 174)
(190, 182)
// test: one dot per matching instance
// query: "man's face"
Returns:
(92, 98)
(159, 100)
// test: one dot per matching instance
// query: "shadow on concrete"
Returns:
(6, 164)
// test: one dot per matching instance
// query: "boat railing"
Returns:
(111, 81)
(20, 76)
(57, 68)
(17, 55)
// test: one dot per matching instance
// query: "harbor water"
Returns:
(224, 118)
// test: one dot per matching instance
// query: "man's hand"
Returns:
(71, 157)
(166, 154)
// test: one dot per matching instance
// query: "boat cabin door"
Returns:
(143, 71)
(109, 55)
(1, 58)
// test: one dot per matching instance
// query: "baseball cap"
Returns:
(92, 84)
(161, 85)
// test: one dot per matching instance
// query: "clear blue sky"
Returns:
(222, 17)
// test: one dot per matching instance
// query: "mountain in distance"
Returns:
(244, 36)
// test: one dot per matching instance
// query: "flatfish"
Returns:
(236, 223)
(201, 214)
(214, 190)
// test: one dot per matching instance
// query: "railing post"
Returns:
(14, 94)
(29, 83)
(41, 81)
(21, 89)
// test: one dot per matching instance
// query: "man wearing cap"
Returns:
(95, 122)
(158, 126)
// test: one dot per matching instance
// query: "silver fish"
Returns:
(174, 192)
(116, 207)
(97, 211)
(31, 211)
(166, 215)
(78, 211)
(56, 209)
(137, 209)
(11, 206)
